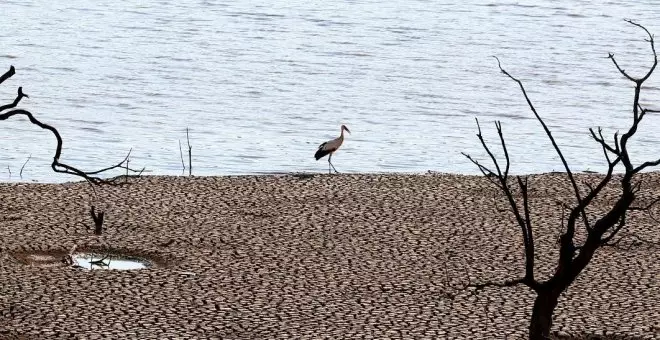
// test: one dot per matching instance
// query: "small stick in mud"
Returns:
(183, 165)
(189, 153)
(98, 221)
(23, 167)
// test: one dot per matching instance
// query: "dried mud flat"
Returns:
(324, 256)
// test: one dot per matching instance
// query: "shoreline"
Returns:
(75, 180)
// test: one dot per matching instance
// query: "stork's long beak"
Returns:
(347, 130)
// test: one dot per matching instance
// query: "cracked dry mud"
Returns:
(341, 256)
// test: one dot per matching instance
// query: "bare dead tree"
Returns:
(9, 110)
(601, 231)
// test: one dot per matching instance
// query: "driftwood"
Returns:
(92, 177)
(9, 110)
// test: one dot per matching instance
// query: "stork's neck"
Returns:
(341, 135)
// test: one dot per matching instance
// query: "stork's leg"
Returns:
(330, 163)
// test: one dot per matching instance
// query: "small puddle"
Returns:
(97, 261)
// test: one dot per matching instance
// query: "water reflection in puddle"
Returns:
(97, 261)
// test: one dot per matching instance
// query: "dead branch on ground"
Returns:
(9, 110)
(189, 153)
(183, 165)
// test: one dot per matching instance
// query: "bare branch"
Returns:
(561, 219)
(591, 187)
(490, 175)
(616, 143)
(643, 241)
(637, 240)
(8, 74)
(647, 207)
(189, 154)
(17, 100)
(498, 126)
(601, 140)
(642, 111)
(483, 143)
(622, 223)
(529, 246)
(637, 117)
(622, 71)
(26, 161)
(655, 55)
(646, 165)
(98, 220)
(56, 165)
(523, 222)
(595, 191)
(552, 140)
(118, 165)
(183, 165)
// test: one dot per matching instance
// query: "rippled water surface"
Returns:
(261, 84)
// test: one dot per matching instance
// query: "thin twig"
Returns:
(183, 164)
(26, 161)
(523, 222)
(647, 207)
(189, 153)
(552, 139)
(7, 74)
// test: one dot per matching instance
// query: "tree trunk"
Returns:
(544, 307)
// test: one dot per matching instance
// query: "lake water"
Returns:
(261, 84)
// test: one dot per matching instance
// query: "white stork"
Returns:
(330, 147)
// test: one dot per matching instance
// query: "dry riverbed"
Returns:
(324, 256)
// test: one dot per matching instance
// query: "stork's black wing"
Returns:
(320, 153)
